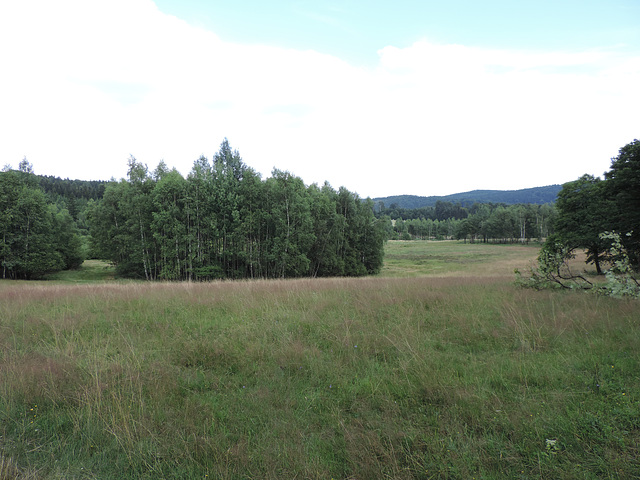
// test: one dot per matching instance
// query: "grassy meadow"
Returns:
(439, 368)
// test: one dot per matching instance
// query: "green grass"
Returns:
(454, 376)
(90, 271)
(446, 258)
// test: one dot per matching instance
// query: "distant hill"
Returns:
(537, 195)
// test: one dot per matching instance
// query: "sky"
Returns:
(383, 98)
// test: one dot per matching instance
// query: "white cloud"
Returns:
(90, 82)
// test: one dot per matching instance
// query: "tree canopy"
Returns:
(224, 221)
(589, 206)
(37, 236)
(623, 188)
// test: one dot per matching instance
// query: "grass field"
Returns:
(438, 368)
(418, 258)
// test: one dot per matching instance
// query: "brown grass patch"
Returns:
(37, 376)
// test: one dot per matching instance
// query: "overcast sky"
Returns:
(384, 98)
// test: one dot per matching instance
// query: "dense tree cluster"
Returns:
(224, 221)
(589, 206)
(38, 236)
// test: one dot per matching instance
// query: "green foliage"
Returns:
(588, 206)
(68, 240)
(621, 281)
(290, 227)
(169, 225)
(623, 186)
(583, 212)
(36, 237)
(91, 271)
(223, 221)
(554, 270)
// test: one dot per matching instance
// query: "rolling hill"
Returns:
(536, 195)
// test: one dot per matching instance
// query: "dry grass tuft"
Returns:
(9, 470)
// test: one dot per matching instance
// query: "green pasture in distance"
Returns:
(444, 258)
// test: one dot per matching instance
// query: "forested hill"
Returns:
(74, 195)
(537, 195)
(85, 189)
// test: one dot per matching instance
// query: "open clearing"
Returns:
(438, 368)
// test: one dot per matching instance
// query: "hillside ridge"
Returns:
(535, 195)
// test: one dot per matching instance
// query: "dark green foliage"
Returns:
(289, 226)
(583, 213)
(623, 187)
(107, 220)
(223, 221)
(588, 207)
(169, 225)
(37, 237)
(68, 244)
(72, 189)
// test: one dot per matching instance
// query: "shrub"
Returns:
(554, 271)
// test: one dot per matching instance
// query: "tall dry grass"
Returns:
(426, 377)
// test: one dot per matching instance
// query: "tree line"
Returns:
(442, 210)
(479, 223)
(224, 221)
